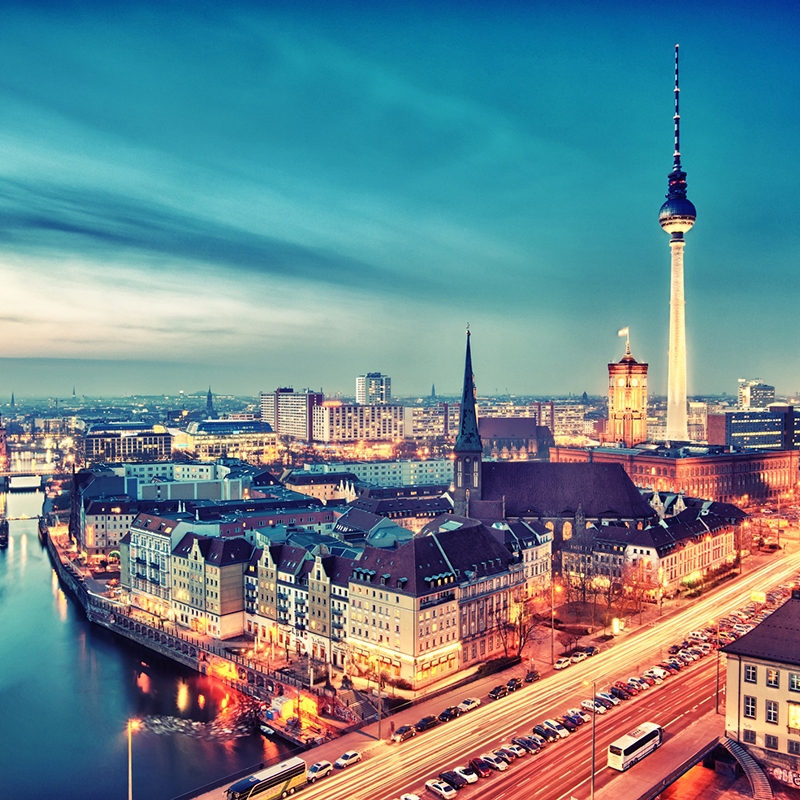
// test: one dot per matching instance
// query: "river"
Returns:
(68, 689)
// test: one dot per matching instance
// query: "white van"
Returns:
(656, 673)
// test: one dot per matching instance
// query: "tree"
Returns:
(568, 640)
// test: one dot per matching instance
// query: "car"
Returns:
(498, 692)
(532, 676)
(496, 763)
(575, 719)
(481, 767)
(505, 755)
(467, 773)
(648, 680)
(555, 725)
(593, 706)
(567, 723)
(545, 733)
(615, 701)
(404, 732)
(468, 704)
(453, 778)
(639, 682)
(577, 712)
(516, 749)
(699, 635)
(562, 663)
(318, 770)
(514, 684)
(526, 743)
(539, 740)
(578, 656)
(607, 704)
(676, 664)
(656, 672)
(687, 655)
(619, 693)
(346, 759)
(426, 723)
(409, 796)
(630, 688)
(441, 789)
(591, 650)
(669, 668)
(449, 713)
(674, 649)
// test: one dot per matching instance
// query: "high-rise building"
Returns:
(627, 400)
(291, 413)
(677, 215)
(373, 389)
(334, 421)
(771, 428)
(755, 393)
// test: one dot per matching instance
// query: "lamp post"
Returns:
(594, 730)
(716, 710)
(133, 725)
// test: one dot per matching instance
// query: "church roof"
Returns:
(544, 489)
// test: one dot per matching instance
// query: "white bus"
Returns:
(275, 782)
(634, 746)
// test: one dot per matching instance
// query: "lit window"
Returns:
(773, 678)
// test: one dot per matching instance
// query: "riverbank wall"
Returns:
(246, 676)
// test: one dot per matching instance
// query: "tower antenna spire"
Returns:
(677, 117)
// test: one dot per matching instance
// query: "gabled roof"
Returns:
(544, 489)
(774, 639)
(216, 551)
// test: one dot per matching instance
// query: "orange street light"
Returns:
(133, 725)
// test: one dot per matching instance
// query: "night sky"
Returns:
(253, 195)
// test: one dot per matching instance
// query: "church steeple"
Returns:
(468, 449)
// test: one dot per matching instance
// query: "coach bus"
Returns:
(278, 781)
(634, 746)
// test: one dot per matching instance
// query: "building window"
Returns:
(750, 673)
(794, 747)
(771, 742)
(750, 707)
(749, 737)
(773, 678)
(772, 711)
(794, 681)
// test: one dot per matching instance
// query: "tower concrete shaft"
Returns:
(677, 422)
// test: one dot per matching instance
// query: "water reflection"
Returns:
(81, 684)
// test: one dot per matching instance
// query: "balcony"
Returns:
(155, 565)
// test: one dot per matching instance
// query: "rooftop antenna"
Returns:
(677, 117)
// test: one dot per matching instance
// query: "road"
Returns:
(562, 770)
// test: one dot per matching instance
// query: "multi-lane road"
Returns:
(562, 770)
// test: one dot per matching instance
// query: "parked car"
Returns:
(441, 789)
(578, 712)
(575, 719)
(639, 682)
(514, 684)
(567, 723)
(467, 773)
(607, 704)
(504, 755)
(593, 706)
(578, 656)
(527, 743)
(449, 713)
(453, 778)
(615, 701)
(498, 692)
(647, 679)
(562, 663)
(318, 770)
(346, 759)
(468, 704)
(426, 723)
(516, 749)
(555, 725)
(481, 767)
(532, 676)
(591, 650)
(540, 740)
(404, 732)
(620, 694)
(627, 687)
(495, 762)
(546, 733)
(669, 668)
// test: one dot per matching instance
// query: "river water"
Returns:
(68, 688)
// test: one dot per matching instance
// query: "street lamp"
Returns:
(716, 710)
(552, 616)
(594, 737)
(133, 725)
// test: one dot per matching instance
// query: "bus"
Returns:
(634, 746)
(280, 780)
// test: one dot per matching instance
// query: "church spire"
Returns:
(468, 439)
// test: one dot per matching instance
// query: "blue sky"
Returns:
(292, 194)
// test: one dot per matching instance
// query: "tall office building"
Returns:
(291, 413)
(677, 215)
(755, 393)
(627, 400)
(373, 389)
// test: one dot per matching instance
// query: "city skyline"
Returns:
(252, 198)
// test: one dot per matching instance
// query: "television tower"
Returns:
(677, 216)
